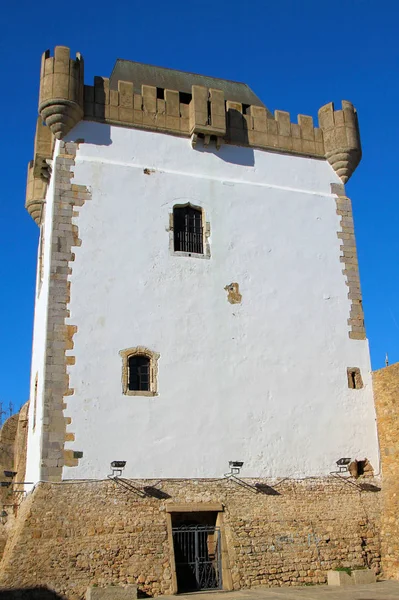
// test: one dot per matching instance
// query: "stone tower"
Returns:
(198, 306)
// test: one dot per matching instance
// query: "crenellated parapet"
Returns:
(61, 90)
(39, 171)
(209, 116)
(205, 114)
(341, 138)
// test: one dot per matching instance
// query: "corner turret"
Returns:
(39, 171)
(341, 138)
(61, 90)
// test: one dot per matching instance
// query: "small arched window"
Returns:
(139, 371)
(188, 229)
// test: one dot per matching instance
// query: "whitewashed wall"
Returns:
(264, 381)
(39, 347)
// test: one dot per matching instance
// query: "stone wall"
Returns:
(12, 458)
(7, 439)
(72, 534)
(386, 395)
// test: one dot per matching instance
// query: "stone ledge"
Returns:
(341, 578)
(112, 592)
(195, 507)
(363, 576)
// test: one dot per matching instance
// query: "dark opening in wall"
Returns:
(184, 98)
(245, 109)
(355, 381)
(188, 229)
(160, 94)
(139, 373)
(360, 467)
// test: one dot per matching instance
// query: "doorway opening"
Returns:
(197, 549)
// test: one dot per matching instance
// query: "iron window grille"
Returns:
(188, 230)
(139, 373)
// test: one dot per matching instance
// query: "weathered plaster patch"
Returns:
(361, 468)
(355, 381)
(233, 293)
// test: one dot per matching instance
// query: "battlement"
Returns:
(205, 114)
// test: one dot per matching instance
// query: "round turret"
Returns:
(61, 90)
(341, 138)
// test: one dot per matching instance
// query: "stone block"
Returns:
(283, 120)
(172, 103)
(339, 578)
(363, 576)
(112, 592)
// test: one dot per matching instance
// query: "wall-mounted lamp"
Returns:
(10, 474)
(117, 467)
(342, 464)
(235, 466)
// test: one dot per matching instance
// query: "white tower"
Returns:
(198, 298)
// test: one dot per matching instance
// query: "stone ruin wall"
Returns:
(13, 438)
(386, 397)
(74, 534)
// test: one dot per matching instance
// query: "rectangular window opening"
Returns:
(188, 230)
(139, 373)
(184, 98)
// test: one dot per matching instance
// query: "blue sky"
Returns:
(296, 55)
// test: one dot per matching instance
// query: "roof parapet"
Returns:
(205, 113)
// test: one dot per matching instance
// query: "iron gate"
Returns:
(198, 557)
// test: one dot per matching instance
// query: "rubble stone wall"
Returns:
(386, 395)
(12, 458)
(74, 534)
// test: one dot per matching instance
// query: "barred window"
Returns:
(188, 229)
(139, 373)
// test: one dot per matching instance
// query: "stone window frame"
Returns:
(206, 232)
(140, 351)
(355, 381)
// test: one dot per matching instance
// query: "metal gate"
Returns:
(198, 557)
